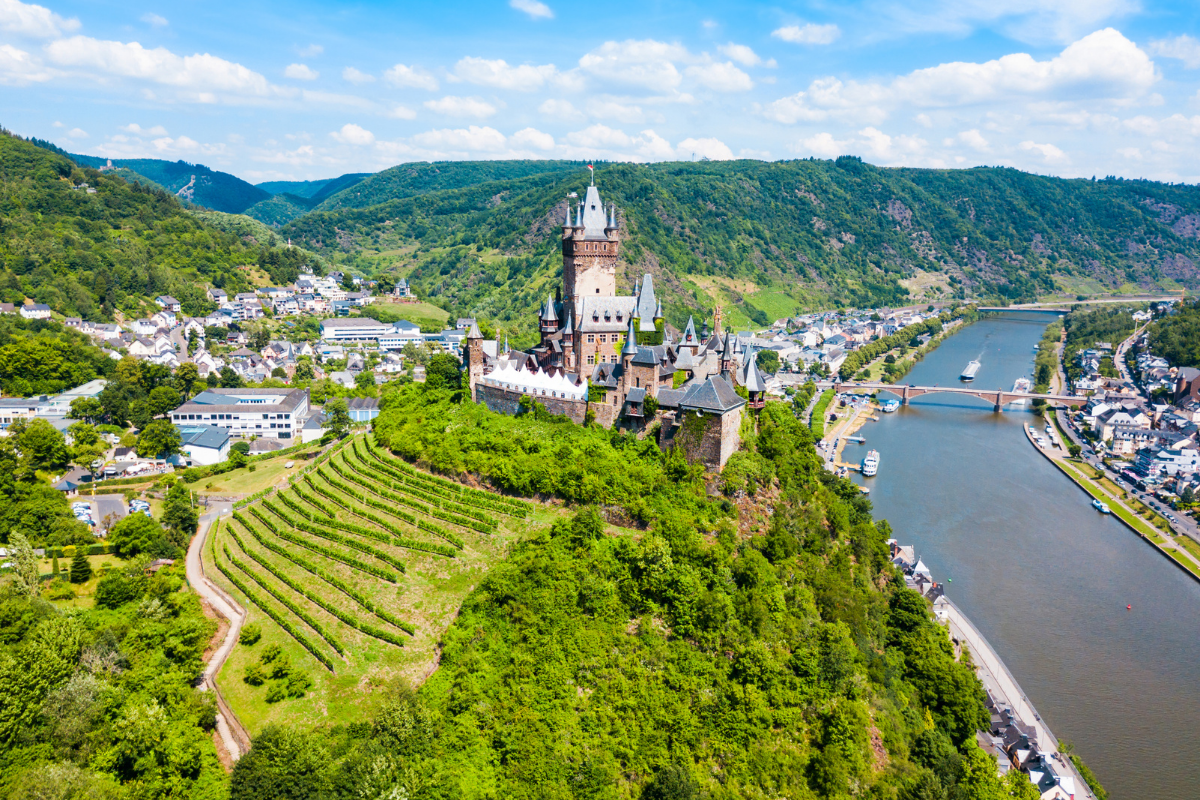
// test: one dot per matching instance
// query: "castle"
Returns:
(609, 357)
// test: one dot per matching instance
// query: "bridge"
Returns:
(998, 397)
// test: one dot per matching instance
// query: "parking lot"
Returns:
(103, 505)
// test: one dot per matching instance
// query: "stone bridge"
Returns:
(998, 397)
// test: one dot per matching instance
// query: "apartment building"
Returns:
(274, 413)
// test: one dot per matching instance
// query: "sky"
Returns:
(304, 90)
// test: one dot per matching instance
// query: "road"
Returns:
(1148, 298)
(233, 734)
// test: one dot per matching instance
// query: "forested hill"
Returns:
(194, 183)
(90, 250)
(766, 237)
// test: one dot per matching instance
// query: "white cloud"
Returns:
(891, 149)
(1049, 153)
(721, 77)
(354, 134)
(300, 72)
(713, 149)
(1040, 21)
(534, 8)
(822, 145)
(614, 111)
(77, 133)
(599, 136)
(138, 130)
(561, 110)
(975, 140)
(532, 137)
(32, 20)
(311, 51)
(471, 139)
(1183, 48)
(356, 77)
(202, 72)
(401, 112)
(923, 120)
(743, 55)
(453, 106)
(808, 33)
(645, 63)
(828, 98)
(154, 20)
(18, 68)
(410, 77)
(501, 75)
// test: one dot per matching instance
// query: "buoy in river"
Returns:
(1129, 608)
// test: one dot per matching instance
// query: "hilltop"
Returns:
(766, 239)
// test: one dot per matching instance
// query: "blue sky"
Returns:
(303, 90)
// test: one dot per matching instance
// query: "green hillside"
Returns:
(193, 183)
(112, 245)
(768, 239)
(314, 190)
(280, 209)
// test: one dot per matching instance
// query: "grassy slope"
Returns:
(429, 595)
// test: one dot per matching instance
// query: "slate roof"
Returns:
(646, 357)
(715, 396)
(635, 395)
(203, 436)
(669, 398)
(604, 313)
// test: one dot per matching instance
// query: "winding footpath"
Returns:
(233, 734)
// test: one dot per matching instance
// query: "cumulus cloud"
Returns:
(974, 140)
(743, 55)
(713, 149)
(77, 133)
(354, 134)
(356, 77)
(822, 145)
(471, 139)
(1040, 21)
(311, 51)
(614, 111)
(300, 72)
(1182, 48)
(561, 110)
(808, 33)
(533, 8)
(27, 19)
(154, 20)
(19, 68)
(1049, 153)
(721, 77)
(453, 106)
(646, 63)
(401, 112)
(532, 137)
(500, 74)
(203, 72)
(410, 77)
(138, 130)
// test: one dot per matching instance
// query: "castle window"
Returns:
(591, 338)
(603, 338)
(591, 360)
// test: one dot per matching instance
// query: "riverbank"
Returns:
(1179, 554)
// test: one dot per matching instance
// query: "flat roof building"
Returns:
(355, 328)
(246, 412)
(204, 445)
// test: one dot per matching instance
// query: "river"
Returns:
(1042, 574)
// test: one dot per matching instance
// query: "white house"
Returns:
(169, 303)
(204, 445)
(36, 311)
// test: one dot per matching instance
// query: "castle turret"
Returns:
(549, 317)
(473, 358)
(568, 344)
(590, 249)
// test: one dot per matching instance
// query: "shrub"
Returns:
(116, 589)
(250, 634)
(270, 653)
(59, 590)
(81, 568)
(255, 676)
(276, 692)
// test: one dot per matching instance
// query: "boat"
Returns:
(1022, 385)
(890, 406)
(968, 374)
(1101, 507)
(870, 464)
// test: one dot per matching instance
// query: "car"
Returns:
(146, 511)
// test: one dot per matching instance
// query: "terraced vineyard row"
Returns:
(409, 498)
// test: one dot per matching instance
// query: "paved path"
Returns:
(233, 734)
(1003, 686)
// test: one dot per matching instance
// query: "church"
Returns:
(611, 359)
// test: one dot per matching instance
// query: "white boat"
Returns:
(968, 374)
(870, 464)
(890, 406)
(1022, 385)
(1101, 507)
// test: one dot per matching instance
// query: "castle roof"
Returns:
(751, 378)
(689, 334)
(597, 313)
(594, 221)
(548, 313)
(474, 332)
(630, 348)
(646, 357)
(647, 305)
(714, 395)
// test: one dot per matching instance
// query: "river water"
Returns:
(1044, 576)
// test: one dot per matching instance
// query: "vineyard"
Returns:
(353, 567)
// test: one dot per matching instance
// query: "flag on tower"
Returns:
(593, 170)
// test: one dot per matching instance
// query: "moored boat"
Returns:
(968, 374)
(890, 405)
(870, 464)
(1101, 507)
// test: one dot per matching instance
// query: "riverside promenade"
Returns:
(1003, 687)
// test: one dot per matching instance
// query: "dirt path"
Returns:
(233, 736)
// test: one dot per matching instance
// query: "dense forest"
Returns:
(89, 244)
(1088, 328)
(812, 232)
(194, 183)
(688, 659)
(1177, 337)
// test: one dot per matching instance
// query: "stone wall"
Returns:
(503, 401)
(710, 439)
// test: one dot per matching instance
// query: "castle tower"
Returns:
(568, 344)
(473, 357)
(628, 351)
(548, 318)
(590, 248)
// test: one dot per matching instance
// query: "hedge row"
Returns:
(335, 537)
(92, 550)
(275, 615)
(416, 505)
(465, 494)
(329, 553)
(295, 586)
(381, 474)
(125, 481)
(332, 580)
(245, 501)
(286, 601)
(399, 538)
(437, 530)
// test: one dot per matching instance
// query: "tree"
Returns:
(304, 371)
(768, 361)
(24, 565)
(365, 380)
(260, 338)
(237, 459)
(193, 343)
(162, 400)
(81, 568)
(348, 281)
(279, 372)
(230, 379)
(186, 377)
(135, 534)
(241, 447)
(42, 446)
(283, 764)
(88, 409)
(159, 439)
(337, 417)
(179, 516)
(87, 447)
(442, 372)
